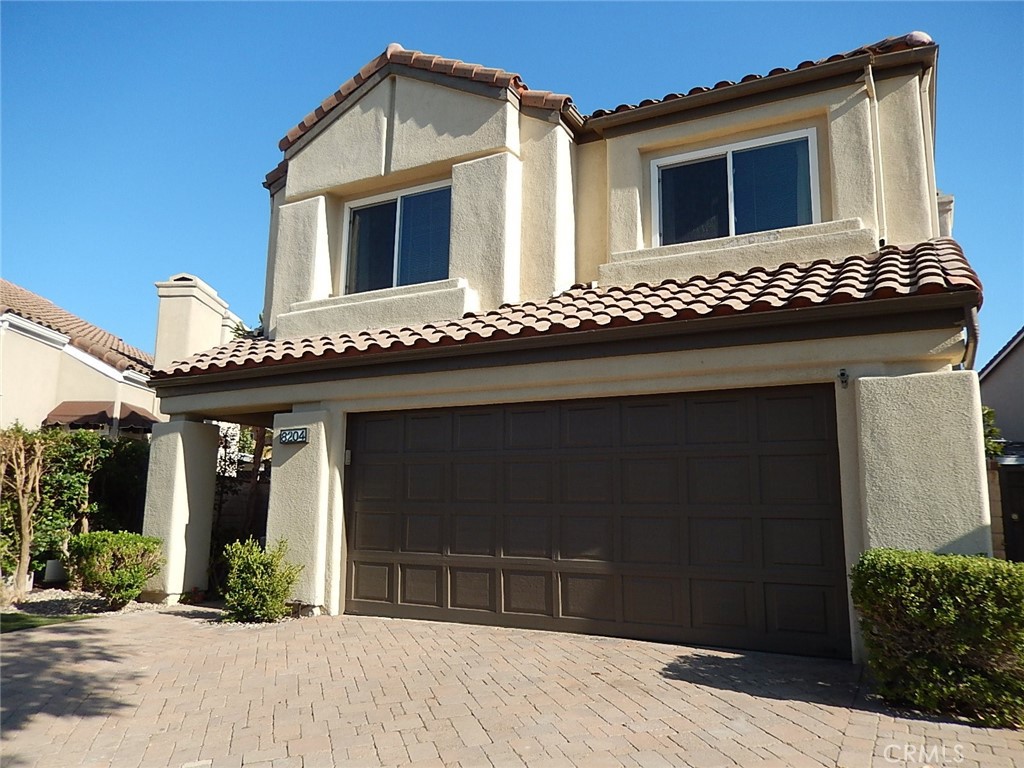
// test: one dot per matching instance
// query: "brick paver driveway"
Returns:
(173, 688)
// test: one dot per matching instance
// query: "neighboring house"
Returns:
(1002, 387)
(57, 369)
(662, 371)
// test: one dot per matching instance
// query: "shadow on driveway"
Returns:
(61, 671)
(774, 676)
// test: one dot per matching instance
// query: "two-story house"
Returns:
(663, 371)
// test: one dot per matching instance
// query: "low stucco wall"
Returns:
(922, 463)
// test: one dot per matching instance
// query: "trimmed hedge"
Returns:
(944, 633)
(259, 581)
(114, 565)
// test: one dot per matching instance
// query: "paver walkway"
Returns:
(172, 688)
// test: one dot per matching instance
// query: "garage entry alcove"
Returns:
(707, 518)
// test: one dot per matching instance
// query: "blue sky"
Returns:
(135, 136)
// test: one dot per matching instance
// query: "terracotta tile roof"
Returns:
(936, 266)
(889, 45)
(101, 344)
(396, 54)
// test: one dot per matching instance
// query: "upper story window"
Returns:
(398, 239)
(750, 186)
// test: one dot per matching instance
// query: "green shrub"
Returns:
(945, 633)
(114, 565)
(259, 581)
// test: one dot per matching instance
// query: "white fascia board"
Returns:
(95, 363)
(134, 377)
(34, 330)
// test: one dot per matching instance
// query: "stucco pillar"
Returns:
(299, 489)
(179, 504)
(302, 259)
(487, 227)
(922, 463)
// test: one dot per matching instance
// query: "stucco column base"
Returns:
(179, 505)
(298, 504)
(922, 463)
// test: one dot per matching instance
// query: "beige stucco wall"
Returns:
(35, 377)
(1003, 390)
(922, 462)
(549, 225)
(179, 504)
(852, 129)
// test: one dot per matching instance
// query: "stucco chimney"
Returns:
(945, 215)
(191, 318)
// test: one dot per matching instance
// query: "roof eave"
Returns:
(923, 55)
(750, 319)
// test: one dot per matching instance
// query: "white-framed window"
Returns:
(399, 238)
(749, 186)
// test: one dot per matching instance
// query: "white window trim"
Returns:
(727, 151)
(366, 202)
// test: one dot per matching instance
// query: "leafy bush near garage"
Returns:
(114, 565)
(944, 633)
(259, 581)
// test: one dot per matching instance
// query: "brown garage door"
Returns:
(709, 518)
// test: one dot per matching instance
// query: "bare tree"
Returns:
(21, 469)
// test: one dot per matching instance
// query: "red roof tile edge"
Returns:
(83, 335)
(935, 266)
(396, 54)
(906, 42)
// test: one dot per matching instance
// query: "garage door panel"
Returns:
(794, 479)
(378, 482)
(586, 537)
(529, 427)
(793, 416)
(372, 582)
(650, 480)
(708, 518)
(380, 433)
(473, 534)
(718, 480)
(648, 423)
(530, 482)
(528, 536)
(425, 482)
(474, 589)
(717, 419)
(423, 533)
(585, 596)
(801, 609)
(528, 592)
(478, 430)
(475, 481)
(587, 480)
(650, 540)
(647, 600)
(795, 542)
(723, 604)
(375, 531)
(588, 426)
(722, 541)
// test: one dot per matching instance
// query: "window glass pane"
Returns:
(371, 248)
(423, 239)
(694, 201)
(772, 187)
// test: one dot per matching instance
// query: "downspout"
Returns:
(876, 154)
(973, 332)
